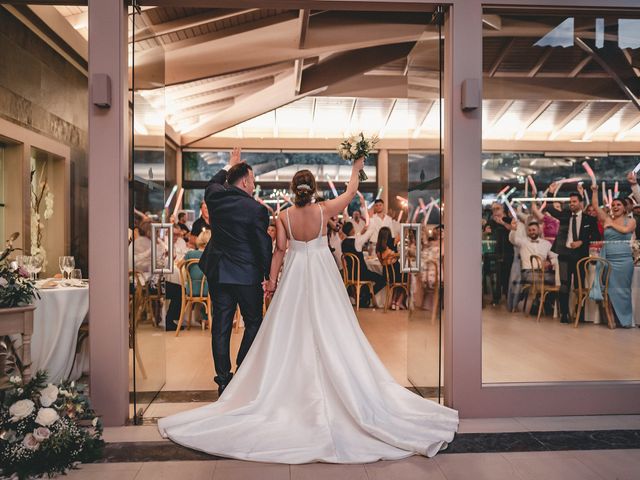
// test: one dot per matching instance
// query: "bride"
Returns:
(311, 388)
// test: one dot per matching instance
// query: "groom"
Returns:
(236, 261)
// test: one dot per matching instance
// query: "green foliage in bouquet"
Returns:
(46, 429)
(16, 289)
(355, 147)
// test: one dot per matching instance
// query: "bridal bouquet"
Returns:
(46, 429)
(355, 147)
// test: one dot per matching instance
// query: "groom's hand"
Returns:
(235, 157)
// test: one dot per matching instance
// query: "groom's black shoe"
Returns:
(222, 384)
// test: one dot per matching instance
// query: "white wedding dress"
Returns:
(311, 388)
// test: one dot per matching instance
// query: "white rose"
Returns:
(48, 395)
(353, 149)
(46, 417)
(94, 422)
(41, 433)
(30, 442)
(17, 379)
(21, 409)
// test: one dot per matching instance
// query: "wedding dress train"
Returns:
(311, 388)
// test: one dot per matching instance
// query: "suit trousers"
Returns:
(567, 264)
(225, 299)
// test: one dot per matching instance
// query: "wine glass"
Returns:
(76, 274)
(36, 265)
(26, 263)
(69, 264)
(61, 265)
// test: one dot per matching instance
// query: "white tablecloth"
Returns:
(57, 318)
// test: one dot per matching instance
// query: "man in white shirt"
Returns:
(379, 219)
(530, 245)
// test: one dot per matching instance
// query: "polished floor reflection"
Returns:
(516, 348)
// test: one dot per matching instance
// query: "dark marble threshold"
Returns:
(185, 396)
(463, 443)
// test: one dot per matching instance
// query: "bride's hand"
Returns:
(358, 164)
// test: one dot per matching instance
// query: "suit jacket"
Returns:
(349, 246)
(588, 233)
(239, 252)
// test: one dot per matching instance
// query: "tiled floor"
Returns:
(575, 465)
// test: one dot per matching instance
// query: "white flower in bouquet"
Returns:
(355, 147)
(30, 442)
(48, 395)
(15, 379)
(46, 417)
(95, 421)
(41, 433)
(21, 409)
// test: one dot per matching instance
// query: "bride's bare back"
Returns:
(305, 223)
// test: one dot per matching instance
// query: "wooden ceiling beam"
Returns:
(591, 129)
(565, 121)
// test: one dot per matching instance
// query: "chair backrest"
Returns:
(186, 280)
(537, 270)
(602, 273)
(351, 268)
(436, 268)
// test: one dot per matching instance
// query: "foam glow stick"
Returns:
(428, 214)
(173, 192)
(403, 201)
(379, 195)
(526, 188)
(637, 169)
(589, 171)
(511, 210)
(615, 190)
(415, 214)
(604, 192)
(332, 186)
(178, 205)
(555, 194)
(633, 199)
(501, 192)
(570, 180)
(510, 192)
(422, 205)
(610, 197)
(400, 215)
(139, 213)
(534, 189)
(363, 208)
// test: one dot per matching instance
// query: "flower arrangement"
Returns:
(40, 192)
(355, 147)
(16, 289)
(46, 429)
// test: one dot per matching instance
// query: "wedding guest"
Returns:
(618, 229)
(201, 222)
(389, 257)
(529, 244)
(335, 237)
(182, 222)
(173, 290)
(353, 244)
(577, 231)
(357, 221)
(378, 218)
(503, 250)
(140, 249)
(271, 230)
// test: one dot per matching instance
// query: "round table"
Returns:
(59, 313)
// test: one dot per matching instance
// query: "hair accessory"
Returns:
(303, 186)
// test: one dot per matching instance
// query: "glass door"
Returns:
(422, 228)
(150, 201)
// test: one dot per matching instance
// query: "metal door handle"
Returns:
(406, 237)
(155, 228)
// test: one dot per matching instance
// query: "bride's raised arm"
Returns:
(336, 205)
(278, 253)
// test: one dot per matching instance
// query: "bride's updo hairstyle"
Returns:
(303, 186)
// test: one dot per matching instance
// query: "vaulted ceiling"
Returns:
(272, 73)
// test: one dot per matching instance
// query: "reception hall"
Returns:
(491, 252)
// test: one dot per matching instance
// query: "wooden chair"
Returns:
(538, 285)
(189, 299)
(351, 277)
(602, 276)
(136, 309)
(393, 283)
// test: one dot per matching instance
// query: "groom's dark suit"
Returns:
(236, 261)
